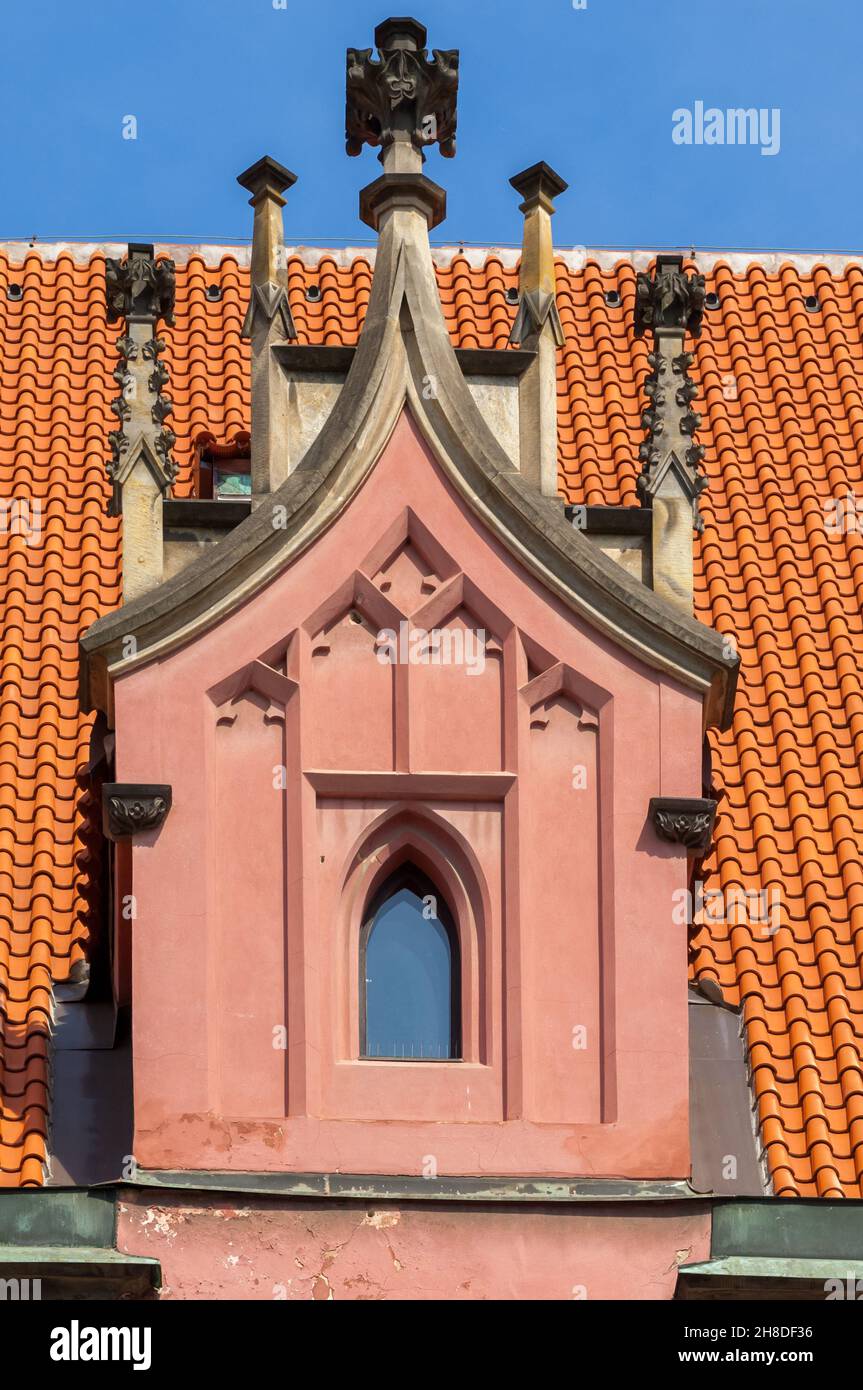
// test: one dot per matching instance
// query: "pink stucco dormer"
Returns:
(407, 672)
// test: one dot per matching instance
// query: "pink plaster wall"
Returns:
(224, 1247)
(522, 790)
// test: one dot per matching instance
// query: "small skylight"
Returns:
(313, 293)
(612, 299)
(811, 304)
(15, 291)
(711, 301)
(213, 293)
(511, 296)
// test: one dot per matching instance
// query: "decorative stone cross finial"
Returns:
(401, 100)
(671, 300)
(140, 289)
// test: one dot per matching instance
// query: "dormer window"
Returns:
(224, 471)
(410, 985)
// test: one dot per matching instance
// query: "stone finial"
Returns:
(140, 289)
(669, 300)
(538, 186)
(401, 98)
(267, 180)
(401, 102)
(669, 304)
(537, 327)
(268, 323)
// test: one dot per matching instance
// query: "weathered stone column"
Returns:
(537, 327)
(669, 304)
(140, 290)
(268, 322)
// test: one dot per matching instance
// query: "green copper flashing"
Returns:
(789, 1228)
(57, 1217)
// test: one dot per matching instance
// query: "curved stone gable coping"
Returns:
(404, 343)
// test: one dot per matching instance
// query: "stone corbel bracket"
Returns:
(129, 808)
(686, 821)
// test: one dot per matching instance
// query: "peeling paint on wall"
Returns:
(296, 1250)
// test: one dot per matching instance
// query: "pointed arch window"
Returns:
(410, 973)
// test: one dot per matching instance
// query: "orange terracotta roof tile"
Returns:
(782, 407)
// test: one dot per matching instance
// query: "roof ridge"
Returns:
(478, 255)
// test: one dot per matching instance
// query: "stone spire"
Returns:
(140, 291)
(669, 304)
(401, 102)
(537, 304)
(267, 180)
(268, 322)
(537, 327)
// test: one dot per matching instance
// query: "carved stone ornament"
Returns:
(131, 381)
(127, 348)
(140, 288)
(165, 441)
(401, 93)
(119, 444)
(669, 299)
(669, 305)
(129, 808)
(535, 309)
(684, 821)
(265, 302)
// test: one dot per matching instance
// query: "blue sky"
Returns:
(214, 84)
